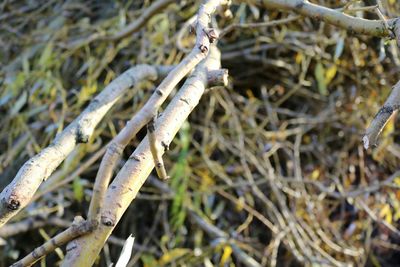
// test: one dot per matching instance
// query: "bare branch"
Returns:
(381, 118)
(204, 36)
(155, 8)
(133, 27)
(334, 17)
(258, 25)
(130, 179)
(156, 150)
(20, 191)
(28, 225)
(78, 228)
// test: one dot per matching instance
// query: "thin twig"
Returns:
(258, 25)
(130, 179)
(36, 170)
(78, 228)
(334, 17)
(204, 36)
(156, 150)
(382, 117)
(148, 13)
(133, 27)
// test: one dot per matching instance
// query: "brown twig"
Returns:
(133, 27)
(155, 8)
(258, 25)
(78, 228)
(28, 225)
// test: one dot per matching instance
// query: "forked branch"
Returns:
(204, 36)
(37, 169)
(130, 179)
(78, 228)
(156, 150)
(335, 17)
(381, 118)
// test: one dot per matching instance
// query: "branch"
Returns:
(37, 169)
(156, 150)
(257, 25)
(334, 17)
(381, 118)
(130, 179)
(380, 28)
(134, 26)
(217, 77)
(78, 228)
(204, 36)
(209, 228)
(28, 225)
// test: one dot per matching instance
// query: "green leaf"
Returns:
(19, 103)
(172, 255)
(45, 58)
(78, 189)
(320, 76)
(148, 260)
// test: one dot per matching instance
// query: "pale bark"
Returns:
(335, 17)
(37, 169)
(157, 149)
(78, 228)
(381, 118)
(130, 179)
(204, 36)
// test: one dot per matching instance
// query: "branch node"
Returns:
(299, 4)
(165, 145)
(13, 204)
(184, 100)
(155, 150)
(105, 220)
(83, 133)
(134, 157)
(211, 34)
(203, 48)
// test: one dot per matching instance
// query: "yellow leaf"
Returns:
(172, 255)
(250, 94)
(226, 255)
(315, 174)
(330, 74)
(110, 75)
(386, 213)
(86, 92)
(240, 203)
(206, 180)
(299, 58)
(389, 127)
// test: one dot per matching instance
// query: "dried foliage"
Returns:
(269, 171)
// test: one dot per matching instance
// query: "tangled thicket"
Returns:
(270, 169)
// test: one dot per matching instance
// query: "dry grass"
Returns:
(275, 162)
